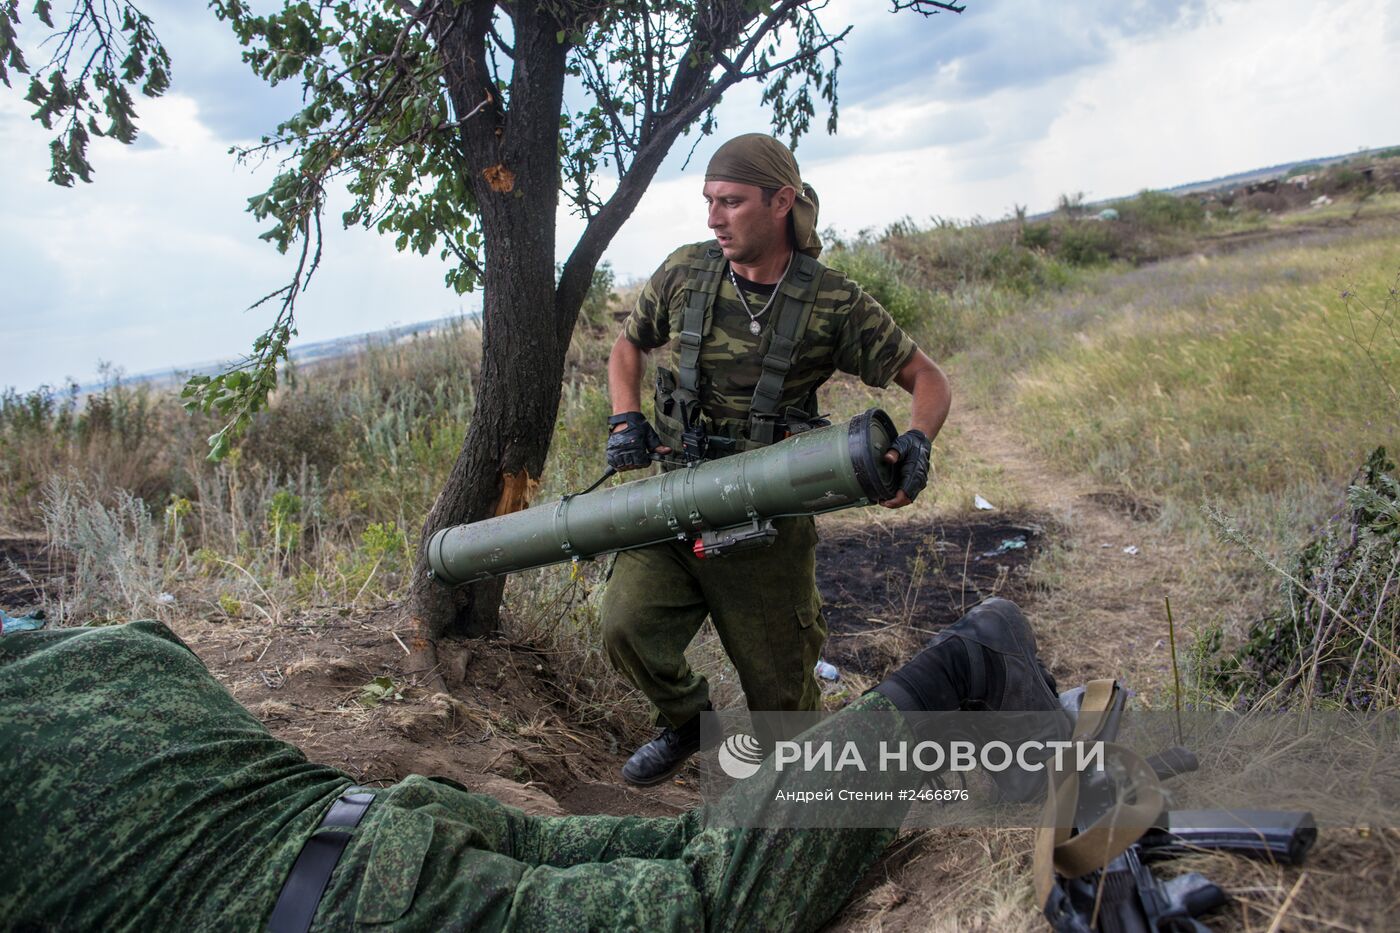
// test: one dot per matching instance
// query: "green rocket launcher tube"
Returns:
(722, 505)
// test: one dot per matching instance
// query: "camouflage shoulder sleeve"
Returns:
(650, 324)
(869, 344)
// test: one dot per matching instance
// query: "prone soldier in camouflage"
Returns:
(756, 324)
(139, 795)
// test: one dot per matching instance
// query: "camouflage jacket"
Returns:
(139, 795)
(847, 331)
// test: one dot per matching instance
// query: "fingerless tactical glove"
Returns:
(913, 447)
(631, 447)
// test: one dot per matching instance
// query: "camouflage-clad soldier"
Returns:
(756, 325)
(139, 795)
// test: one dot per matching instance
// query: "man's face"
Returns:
(748, 230)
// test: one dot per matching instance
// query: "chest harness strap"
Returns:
(798, 295)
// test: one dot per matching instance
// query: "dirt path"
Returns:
(1096, 598)
(1099, 607)
(1098, 612)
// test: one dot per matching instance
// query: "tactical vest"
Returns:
(679, 419)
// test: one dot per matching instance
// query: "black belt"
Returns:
(301, 895)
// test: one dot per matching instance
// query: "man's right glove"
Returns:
(913, 447)
(631, 447)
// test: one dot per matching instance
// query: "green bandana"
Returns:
(759, 159)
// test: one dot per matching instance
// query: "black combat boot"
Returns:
(986, 661)
(664, 755)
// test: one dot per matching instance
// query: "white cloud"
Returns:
(954, 116)
(153, 264)
(173, 122)
(1179, 96)
(1241, 91)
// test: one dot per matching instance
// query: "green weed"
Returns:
(381, 689)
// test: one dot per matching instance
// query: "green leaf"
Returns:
(218, 446)
(379, 690)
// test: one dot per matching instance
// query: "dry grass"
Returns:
(1229, 394)
(952, 880)
(1235, 380)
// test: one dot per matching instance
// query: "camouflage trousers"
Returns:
(141, 795)
(764, 604)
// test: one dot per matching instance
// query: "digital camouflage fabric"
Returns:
(139, 795)
(848, 331)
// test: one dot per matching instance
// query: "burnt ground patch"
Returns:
(23, 568)
(888, 588)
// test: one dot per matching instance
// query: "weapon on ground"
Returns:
(721, 505)
(1124, 896)
(1283, 836)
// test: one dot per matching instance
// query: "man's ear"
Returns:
(783, 200)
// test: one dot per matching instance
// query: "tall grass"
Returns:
(1211, 389)
(347, 458)
(1331, 640)
(319, 505)
(116, 551)
(117, 438)
(1240, 393)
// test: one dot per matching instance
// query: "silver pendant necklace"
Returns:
(754, 327)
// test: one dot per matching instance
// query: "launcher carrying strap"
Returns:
(1058, 850)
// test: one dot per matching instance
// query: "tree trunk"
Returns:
(526, 321)
(513, 418)
(514, 165)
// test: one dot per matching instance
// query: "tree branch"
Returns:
(926, 7)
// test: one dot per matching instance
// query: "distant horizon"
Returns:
(298, 351)
(303, 347)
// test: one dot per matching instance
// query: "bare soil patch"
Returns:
(506, 727)
(499, 729)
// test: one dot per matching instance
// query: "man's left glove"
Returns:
(631, 448)
(913, 447)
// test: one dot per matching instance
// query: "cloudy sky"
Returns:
(1013, 102)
